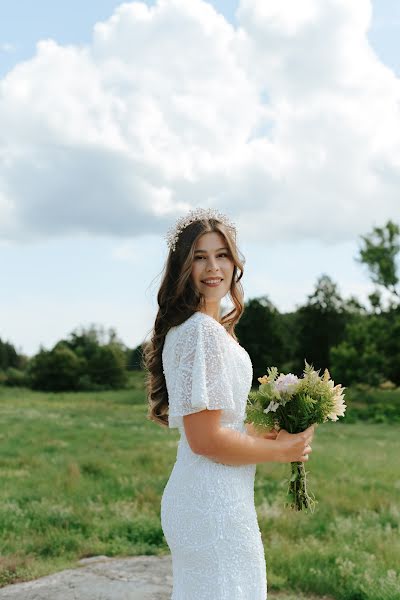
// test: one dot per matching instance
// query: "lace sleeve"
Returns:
(202, 371)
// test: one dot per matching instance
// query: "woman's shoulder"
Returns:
(198, 322)
(203, 322)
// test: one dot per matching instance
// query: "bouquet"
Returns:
(292, 403)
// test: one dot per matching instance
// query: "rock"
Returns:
(92, 559)
(101, 578)
(105, 578)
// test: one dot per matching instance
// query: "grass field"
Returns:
(82, 474)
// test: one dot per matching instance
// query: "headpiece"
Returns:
(196, 214)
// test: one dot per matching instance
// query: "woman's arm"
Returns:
(231, 447)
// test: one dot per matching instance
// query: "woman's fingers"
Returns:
(306, 452)
(271, 435)
(309, 434)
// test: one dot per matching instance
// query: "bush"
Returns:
(374, 405)
(358, 359)
(16, 378)
(107, 367)
(56, 370)
(3, 377)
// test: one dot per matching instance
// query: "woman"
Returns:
(199, 379)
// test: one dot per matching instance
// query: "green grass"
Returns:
(350, 546)
(82, 474)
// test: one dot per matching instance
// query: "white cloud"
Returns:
(289, 123)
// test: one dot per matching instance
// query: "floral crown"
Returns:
(196, 214)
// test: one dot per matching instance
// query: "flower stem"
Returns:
(300, 498)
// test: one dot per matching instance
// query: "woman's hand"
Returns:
(295, 447)
(261, 433)
(270, 435)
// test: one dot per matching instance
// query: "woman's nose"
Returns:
(212, 265)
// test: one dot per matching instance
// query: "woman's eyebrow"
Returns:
(219, 249)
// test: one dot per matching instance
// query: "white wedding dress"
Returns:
(207, 508)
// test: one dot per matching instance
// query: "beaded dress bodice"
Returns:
(205, 367)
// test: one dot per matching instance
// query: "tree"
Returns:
(389, 343)
(56, 370)
(16, 378)
(8, 356)
(86, 341)
(289, 332)
(259, 332)
(134, 358)
(378, 251)
(107, 367)
(358, 358)
(321, 324)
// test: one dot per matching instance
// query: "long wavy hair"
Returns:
(178, 298)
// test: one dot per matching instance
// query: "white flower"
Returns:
(286, 383)
(339, 406)
(272, 406)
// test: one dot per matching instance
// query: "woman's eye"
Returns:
(218, 255)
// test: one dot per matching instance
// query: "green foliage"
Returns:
(9, 356)
(389, 343)
(81, 362)
(378, 251)
(372, 405)
(254, 415)
(56, 370)
(358, 359)
(107, 366)
(321, 324)
(371, 351)
(259, 331)
(135, 358)
(84, 342)
(16, 378)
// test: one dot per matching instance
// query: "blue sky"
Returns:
(58, 275)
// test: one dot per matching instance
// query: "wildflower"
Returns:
(286, 383)
(339, 406)
(271, 406)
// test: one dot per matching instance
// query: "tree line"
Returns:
(357, 343)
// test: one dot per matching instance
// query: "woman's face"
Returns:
(212, 263)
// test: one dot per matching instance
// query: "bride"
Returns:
(198, 380)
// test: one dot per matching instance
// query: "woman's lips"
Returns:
(212, 284)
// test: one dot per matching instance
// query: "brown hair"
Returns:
(178, 298)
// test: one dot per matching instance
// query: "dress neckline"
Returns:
(219, 324)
